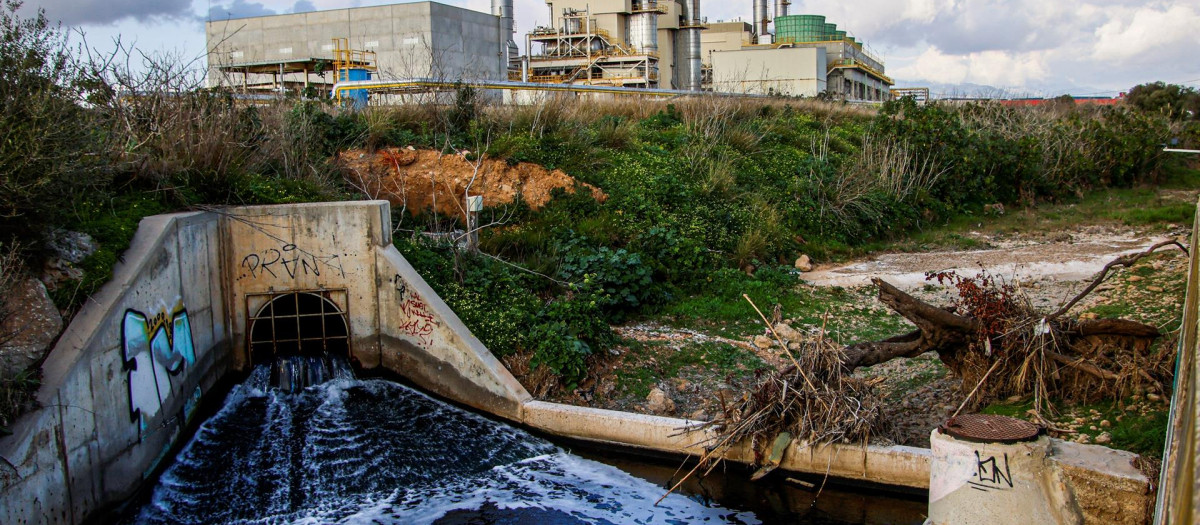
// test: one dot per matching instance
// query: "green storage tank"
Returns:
(839, 35)
(829, 32)
(799, 28)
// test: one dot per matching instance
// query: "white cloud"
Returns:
(1174, 31)
(995, 68)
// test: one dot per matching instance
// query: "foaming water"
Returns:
(373, 451)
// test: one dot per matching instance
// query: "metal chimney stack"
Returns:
(762, 20)
(781, 8)
(690, 73)
(510, 55)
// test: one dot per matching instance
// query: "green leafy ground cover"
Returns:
(700, 192)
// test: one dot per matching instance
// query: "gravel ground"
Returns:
(922, 391)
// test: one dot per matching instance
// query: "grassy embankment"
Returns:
(707, 198)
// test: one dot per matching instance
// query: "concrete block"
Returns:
(1104, 483)
(77, 412)
(115, 430)
(85, 480)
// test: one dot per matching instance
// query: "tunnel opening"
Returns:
(303, 335)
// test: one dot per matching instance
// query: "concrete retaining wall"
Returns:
(343, 250)
(123, 379)
(327, 248)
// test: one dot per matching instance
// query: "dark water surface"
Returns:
(374, 451)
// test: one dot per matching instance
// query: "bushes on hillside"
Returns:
(695, 187)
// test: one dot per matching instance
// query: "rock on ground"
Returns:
(659, 403)
(30, 329)
(804, 263)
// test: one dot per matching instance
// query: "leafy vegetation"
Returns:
(706, 197)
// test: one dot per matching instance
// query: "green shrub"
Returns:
(616, 280)
(564, 334)
(46, 155)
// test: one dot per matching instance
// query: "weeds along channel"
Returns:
(704, 199)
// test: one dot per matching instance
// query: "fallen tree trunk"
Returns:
(1066, 357)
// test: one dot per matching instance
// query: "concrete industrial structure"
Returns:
(631, 43)
(422, 39)
(666, 44)
(656, 44)
(803, 57)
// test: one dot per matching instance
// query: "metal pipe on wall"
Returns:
(509, 52)
(691, 41)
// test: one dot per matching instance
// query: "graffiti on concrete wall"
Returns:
(289, 260)
(417, 319)
(991, 473)
(156, 348)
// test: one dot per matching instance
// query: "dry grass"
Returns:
(881, 167)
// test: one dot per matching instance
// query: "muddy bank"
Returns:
(1065, 257)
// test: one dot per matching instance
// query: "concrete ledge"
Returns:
(896, 465)
(1104, 484)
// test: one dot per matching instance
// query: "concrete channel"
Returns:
(186, 309)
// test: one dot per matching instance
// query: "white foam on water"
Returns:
(351, 451)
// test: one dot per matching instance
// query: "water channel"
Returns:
(374, 451)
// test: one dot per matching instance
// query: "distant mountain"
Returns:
(969, 90)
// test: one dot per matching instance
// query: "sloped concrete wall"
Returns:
(124, 378)
(423, 340)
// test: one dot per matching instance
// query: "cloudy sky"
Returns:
(1037, 47)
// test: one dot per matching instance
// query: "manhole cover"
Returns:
(990, 428)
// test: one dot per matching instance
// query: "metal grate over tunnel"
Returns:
(301, 322)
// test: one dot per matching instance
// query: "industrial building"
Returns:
(667, 44)
(791, 55)
(316, 49)
(629, 43)
(653, 44)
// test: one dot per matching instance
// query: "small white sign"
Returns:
(410, 41)
(327, 47)
(371, 44)
(285, 50)
(237, 54)
(475, 203)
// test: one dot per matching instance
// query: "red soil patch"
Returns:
(422, 178)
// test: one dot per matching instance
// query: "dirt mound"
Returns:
(427, 179)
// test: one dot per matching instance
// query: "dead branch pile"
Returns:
(1001, 346)
(812, 401)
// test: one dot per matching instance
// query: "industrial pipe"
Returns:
(431, 83)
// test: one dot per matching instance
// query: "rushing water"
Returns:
(373, 451)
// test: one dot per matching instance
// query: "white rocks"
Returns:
(804, 263)
(658, 402)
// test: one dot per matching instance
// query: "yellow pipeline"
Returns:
(370, 85)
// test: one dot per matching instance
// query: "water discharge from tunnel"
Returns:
(304, 334)
(373, 451)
